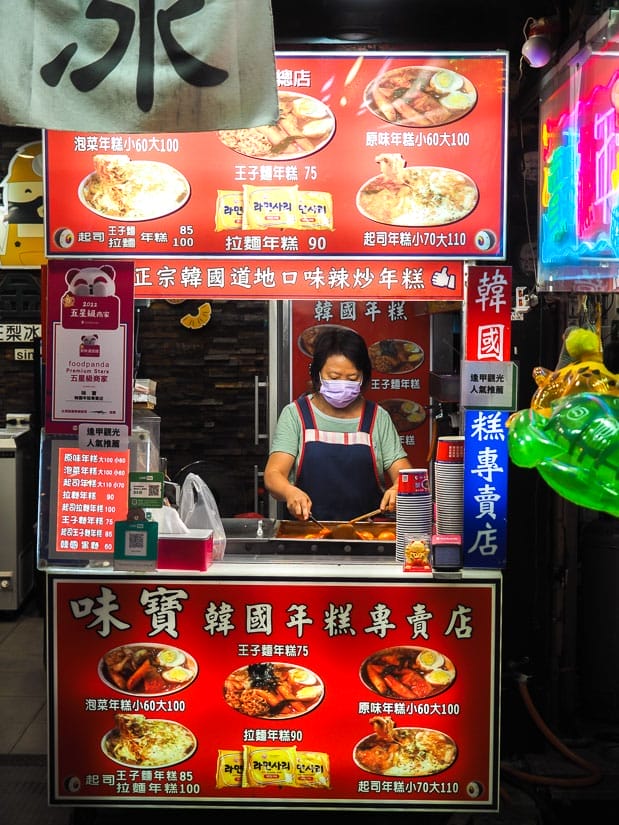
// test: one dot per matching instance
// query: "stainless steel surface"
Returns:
(258, 385)
(298, 538)
(17, 501)
(248, 529)
(279, 389)
(257, 476)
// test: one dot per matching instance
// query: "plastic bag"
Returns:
(168, 520)
(197, 508)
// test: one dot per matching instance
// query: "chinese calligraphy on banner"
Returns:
(487, 396)
(155, 66)
(211, 692)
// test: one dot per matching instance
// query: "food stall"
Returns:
(220, 680)
(276, 683)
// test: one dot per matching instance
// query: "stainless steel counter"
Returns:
(275, 538)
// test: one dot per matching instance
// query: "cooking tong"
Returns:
(346, 530)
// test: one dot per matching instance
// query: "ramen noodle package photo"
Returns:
(270, 207)
(315, 210)
(228, 210)
(313, 770)
(229, 769)
(273, 207)
(265, 766)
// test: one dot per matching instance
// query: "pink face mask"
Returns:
(340, 393)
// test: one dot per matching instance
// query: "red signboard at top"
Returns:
(377, 155)
(378, 279)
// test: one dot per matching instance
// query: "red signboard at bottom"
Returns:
(313, 693)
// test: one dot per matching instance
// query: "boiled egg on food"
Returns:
(177, 674)
(302, 677)
(309, 693)
(309, 107)
(438, 677)
(168, 657)
(317, 128)
(429, 660)
(446, 81)
(457, 101)
(413, 412)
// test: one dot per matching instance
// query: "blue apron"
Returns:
(338, 470)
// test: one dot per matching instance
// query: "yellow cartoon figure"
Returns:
(585, 373)
(22, 228)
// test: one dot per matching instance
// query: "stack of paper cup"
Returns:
(449, 484)
(413, 513)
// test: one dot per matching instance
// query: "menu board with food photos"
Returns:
(397, 334)
(313, 694)
(378, 155)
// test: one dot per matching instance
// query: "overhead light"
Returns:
(539, 46)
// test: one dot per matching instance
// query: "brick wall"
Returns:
(205, 385)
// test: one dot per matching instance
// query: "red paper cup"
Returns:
(450, 448)
(413, 482)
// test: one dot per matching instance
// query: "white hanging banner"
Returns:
(151, 66)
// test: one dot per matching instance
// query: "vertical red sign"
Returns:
(488, 313)
(89, 336)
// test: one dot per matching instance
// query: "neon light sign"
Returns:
(579, 180)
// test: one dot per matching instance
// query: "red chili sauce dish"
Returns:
(407, 672)
(147, 669)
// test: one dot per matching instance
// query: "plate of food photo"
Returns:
(419, 196)
(136, 741)
(305, 125)
(273, 690)
(393, 751)
(133, 190)
(147, 669)
(395, 356)
(405, 413)
(420, 96)
(307, 339)
(407, 672)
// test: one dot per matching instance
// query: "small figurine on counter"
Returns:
(417, 554)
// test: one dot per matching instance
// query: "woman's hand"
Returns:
(299, 504)
(390, 496)
(276, 480)
(389, 499)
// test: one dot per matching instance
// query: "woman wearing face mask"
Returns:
(332, 448)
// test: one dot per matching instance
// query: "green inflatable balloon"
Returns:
(575, 449)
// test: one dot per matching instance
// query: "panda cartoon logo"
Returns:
(89, 287)
(23, 209)
(92, 281)
(89, 345)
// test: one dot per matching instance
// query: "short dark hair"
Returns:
(340, 341)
